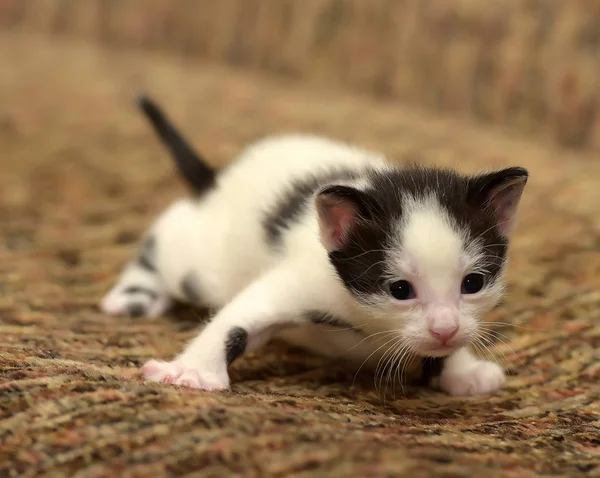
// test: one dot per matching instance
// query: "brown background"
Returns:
(529, 65)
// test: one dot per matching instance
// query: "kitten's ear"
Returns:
(340, 209)
(501, 191)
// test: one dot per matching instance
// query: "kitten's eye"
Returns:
(402, 290)
(472, 283)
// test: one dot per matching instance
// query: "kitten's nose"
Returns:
(443, 333)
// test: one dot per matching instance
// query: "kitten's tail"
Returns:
(190, 164)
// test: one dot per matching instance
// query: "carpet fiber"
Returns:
(82, 176)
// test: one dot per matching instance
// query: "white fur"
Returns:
(220, 237)
(464, 375)
(116, 302)
(432, 254)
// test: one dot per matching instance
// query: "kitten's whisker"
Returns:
(403, 364)
(397, 354)
(495, 333)
(507, 324)
(372, 335)
(386, 357)
(481, 349)
(367, 359)
(489, 342)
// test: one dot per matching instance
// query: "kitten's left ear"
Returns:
(501, 191)
(340, 209)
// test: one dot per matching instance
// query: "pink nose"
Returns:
(443, 334)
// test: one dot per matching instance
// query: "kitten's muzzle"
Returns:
(443, 324)
(444, 334)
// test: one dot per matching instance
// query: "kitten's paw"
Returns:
(135, 301)
(481, 378)
(178, 374)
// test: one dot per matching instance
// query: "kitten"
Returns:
(327, 246)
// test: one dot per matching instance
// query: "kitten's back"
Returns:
(259, 196)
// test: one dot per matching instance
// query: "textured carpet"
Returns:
(82, 176)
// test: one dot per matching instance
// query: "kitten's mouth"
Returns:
(439, 351)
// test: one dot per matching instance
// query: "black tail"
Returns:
(190, 164)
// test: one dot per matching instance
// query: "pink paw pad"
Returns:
(163, 372)
(190, 379)
(175, 374)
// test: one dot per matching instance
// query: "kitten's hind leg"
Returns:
(139, 291)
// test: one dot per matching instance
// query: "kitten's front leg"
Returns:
(273, 301)
(464, 374)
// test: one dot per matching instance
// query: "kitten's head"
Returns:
(423, 250)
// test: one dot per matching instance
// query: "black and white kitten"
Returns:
(329, 247)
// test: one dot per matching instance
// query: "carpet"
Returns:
(82, 176)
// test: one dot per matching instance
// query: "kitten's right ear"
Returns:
(501, 191)
(340, 209)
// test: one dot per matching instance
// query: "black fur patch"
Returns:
(294, 200)
(147, 257)
(430, 367)
(136, 309)
(320, 318)
(236, 343)
(360, 263)
(134, 289)
(190, 289)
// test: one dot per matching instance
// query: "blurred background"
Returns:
(471, 84)
(530, 65)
